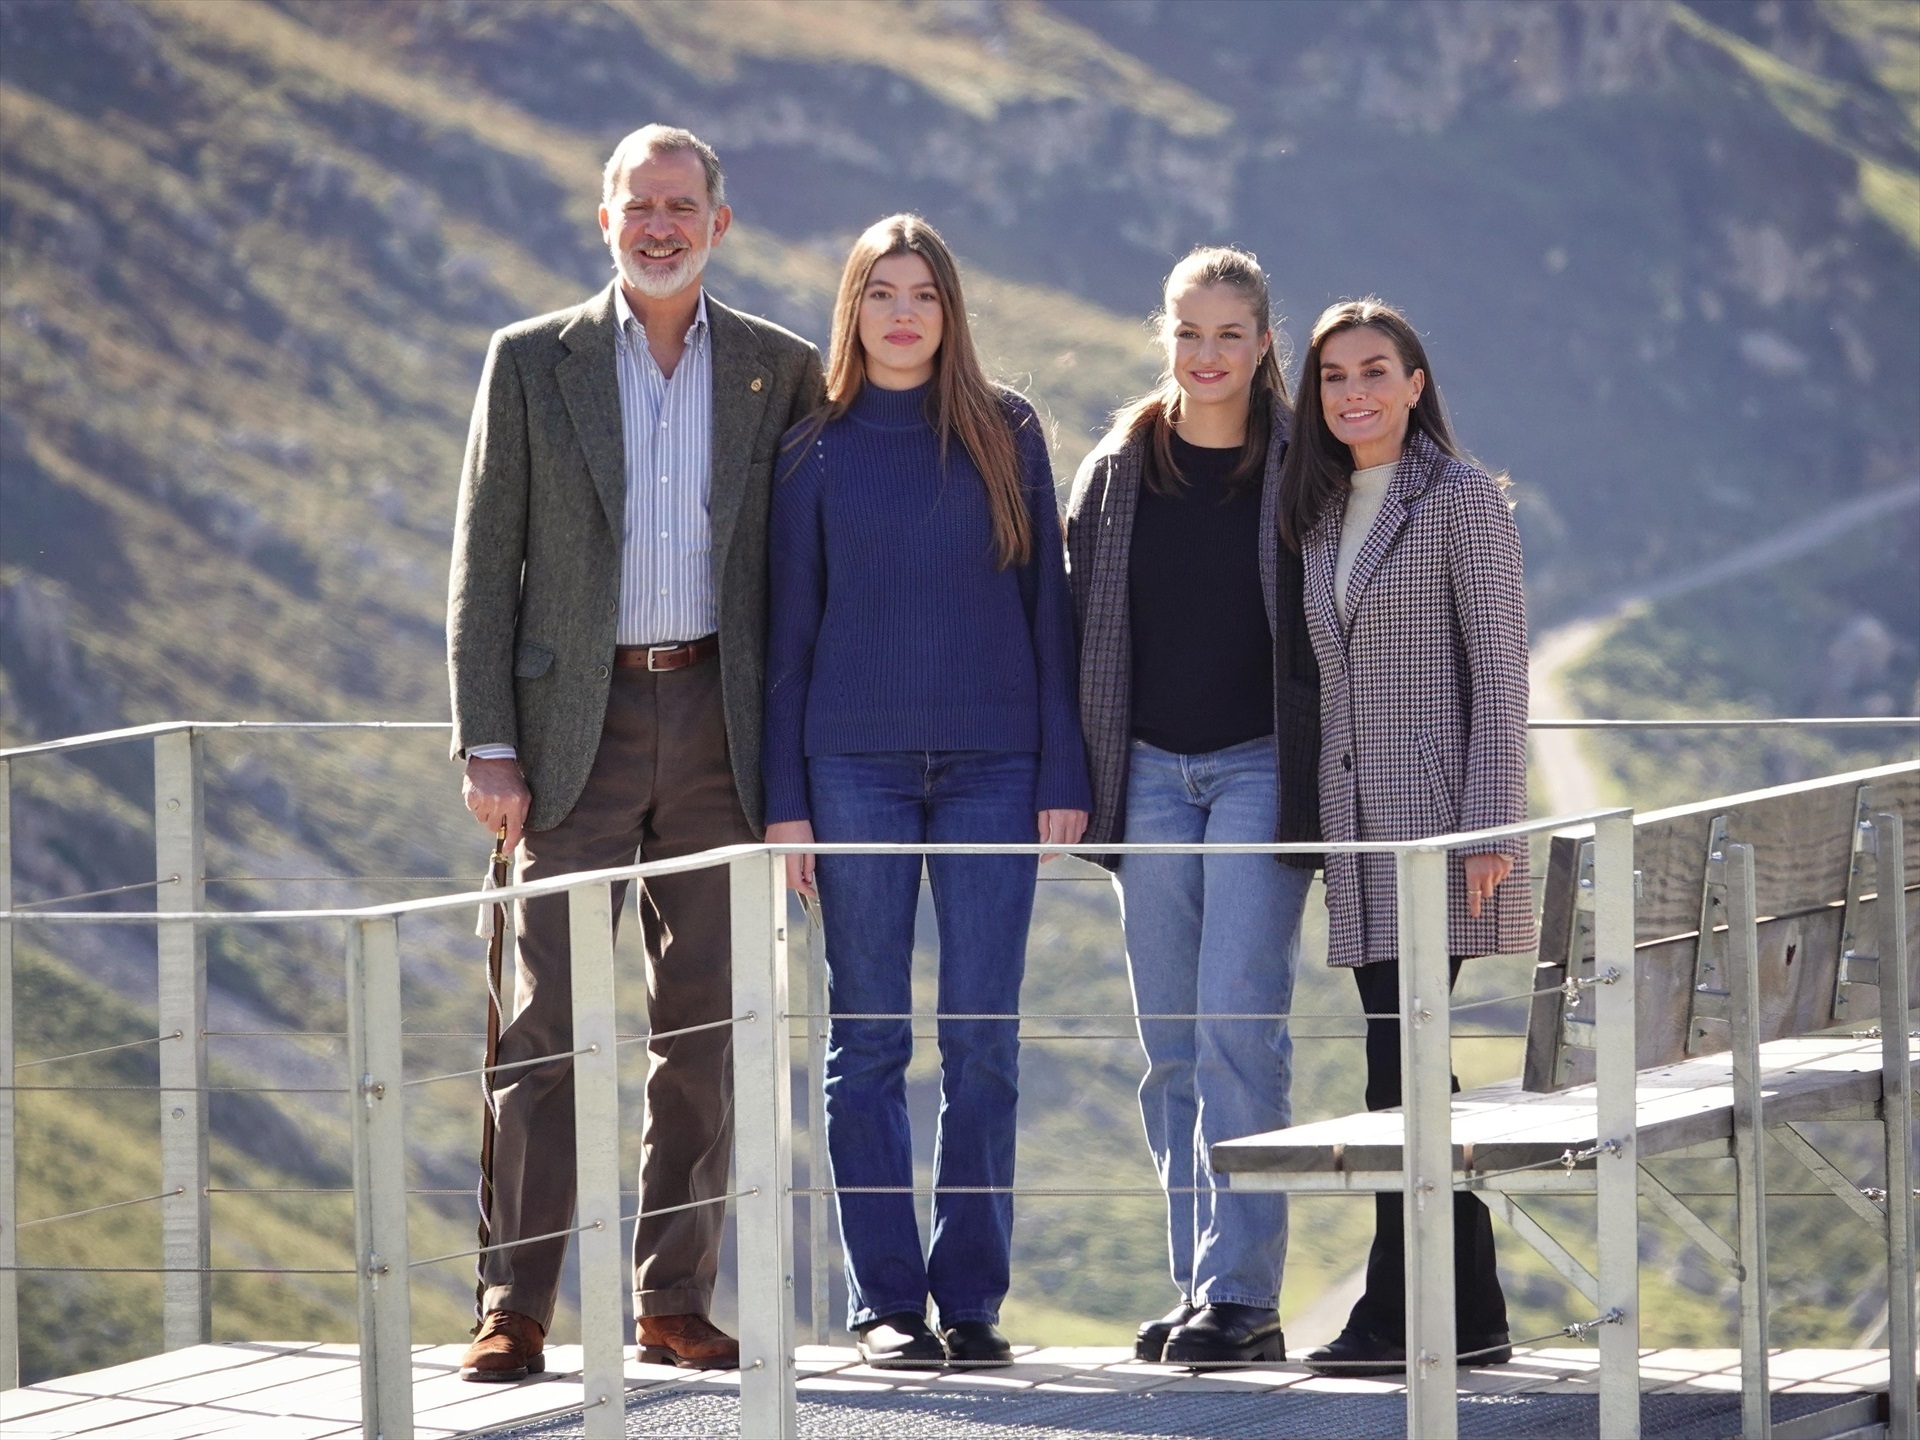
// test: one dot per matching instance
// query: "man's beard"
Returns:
(659, 284)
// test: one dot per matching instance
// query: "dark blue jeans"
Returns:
(983, 904)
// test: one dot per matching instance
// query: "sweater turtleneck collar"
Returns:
(892, 409)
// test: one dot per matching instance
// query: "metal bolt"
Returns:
(173, 804)
(179, 1113)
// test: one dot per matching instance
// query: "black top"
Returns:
(1202, 649)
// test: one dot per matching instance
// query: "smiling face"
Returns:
(1367, 392)
(1214, 344)
(659, 223)
(901, 321)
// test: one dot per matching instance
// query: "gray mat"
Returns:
(1269, 1416)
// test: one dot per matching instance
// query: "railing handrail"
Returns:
(725, 854)
(71, 743)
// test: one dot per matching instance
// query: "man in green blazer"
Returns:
(606, 637)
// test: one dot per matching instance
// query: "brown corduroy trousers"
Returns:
(661, 787)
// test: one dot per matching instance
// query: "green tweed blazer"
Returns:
(534, 591)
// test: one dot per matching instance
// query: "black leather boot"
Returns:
(1358, 1352)
(1227, 1334)
(976, 1343)
(1150, 1340)
(901, 1342)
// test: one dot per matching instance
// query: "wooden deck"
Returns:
(293, 1391)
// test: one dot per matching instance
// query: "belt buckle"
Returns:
(654, 650)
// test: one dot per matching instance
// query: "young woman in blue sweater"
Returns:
(920, 688)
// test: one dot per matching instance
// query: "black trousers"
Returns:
(1480, 1308)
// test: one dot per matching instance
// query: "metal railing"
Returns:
(764, 1180)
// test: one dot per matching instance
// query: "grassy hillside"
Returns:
(250, 254)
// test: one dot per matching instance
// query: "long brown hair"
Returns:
(1318, 469)
(1155, 413)
(964, 404)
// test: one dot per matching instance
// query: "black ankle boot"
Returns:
(1358, 1352)
(1227, 1334)
(1150, 1340)
(976, 1343)
(901, 1342)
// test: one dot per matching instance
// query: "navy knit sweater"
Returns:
(891, 626)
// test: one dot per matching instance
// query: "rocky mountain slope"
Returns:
(250, 253)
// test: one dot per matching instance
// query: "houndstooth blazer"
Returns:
(1423, 700)
(1100, 511)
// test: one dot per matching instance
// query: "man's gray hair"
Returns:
(665, 140)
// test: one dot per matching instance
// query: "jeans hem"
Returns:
(872, 1314)
(948, 1319)
(1257, 1302)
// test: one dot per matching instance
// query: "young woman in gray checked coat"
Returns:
(1414, 603)
(1198, 704)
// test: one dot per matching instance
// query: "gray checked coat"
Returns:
(1423, 700)
(1100, 512)
(534, 594)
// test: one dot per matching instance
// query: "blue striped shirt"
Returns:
(666, 569)
(666, 431)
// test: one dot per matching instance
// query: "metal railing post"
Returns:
(763, 1148)
(376, 1105)
(1897, 1084)
(596, 1121)
(179, 846)
(1749, 1139)
(1617, 1171)
(1427, 1149)
(819, 1167)
(9, 1192)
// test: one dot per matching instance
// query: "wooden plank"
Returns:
(1500, 1126)
(31, 1400)
(1801, 834)
(219, 1386)
(1802, 837)
(1557, 923)
(97, 1414)
(1798, 957)
(147, 1378)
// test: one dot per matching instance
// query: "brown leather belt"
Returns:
(666, 657)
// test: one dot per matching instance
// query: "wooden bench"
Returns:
(1759, 936)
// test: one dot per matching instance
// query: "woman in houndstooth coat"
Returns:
(1418, 619)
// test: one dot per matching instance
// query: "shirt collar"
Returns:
(623, 314)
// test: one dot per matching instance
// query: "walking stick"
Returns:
(494, 923)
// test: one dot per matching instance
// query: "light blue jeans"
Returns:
(1212, 934)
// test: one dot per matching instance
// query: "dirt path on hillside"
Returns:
(1568, 779)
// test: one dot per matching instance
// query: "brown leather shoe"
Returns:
(692, 1342)
(510, 1346)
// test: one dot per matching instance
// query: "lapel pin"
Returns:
(755, 386)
